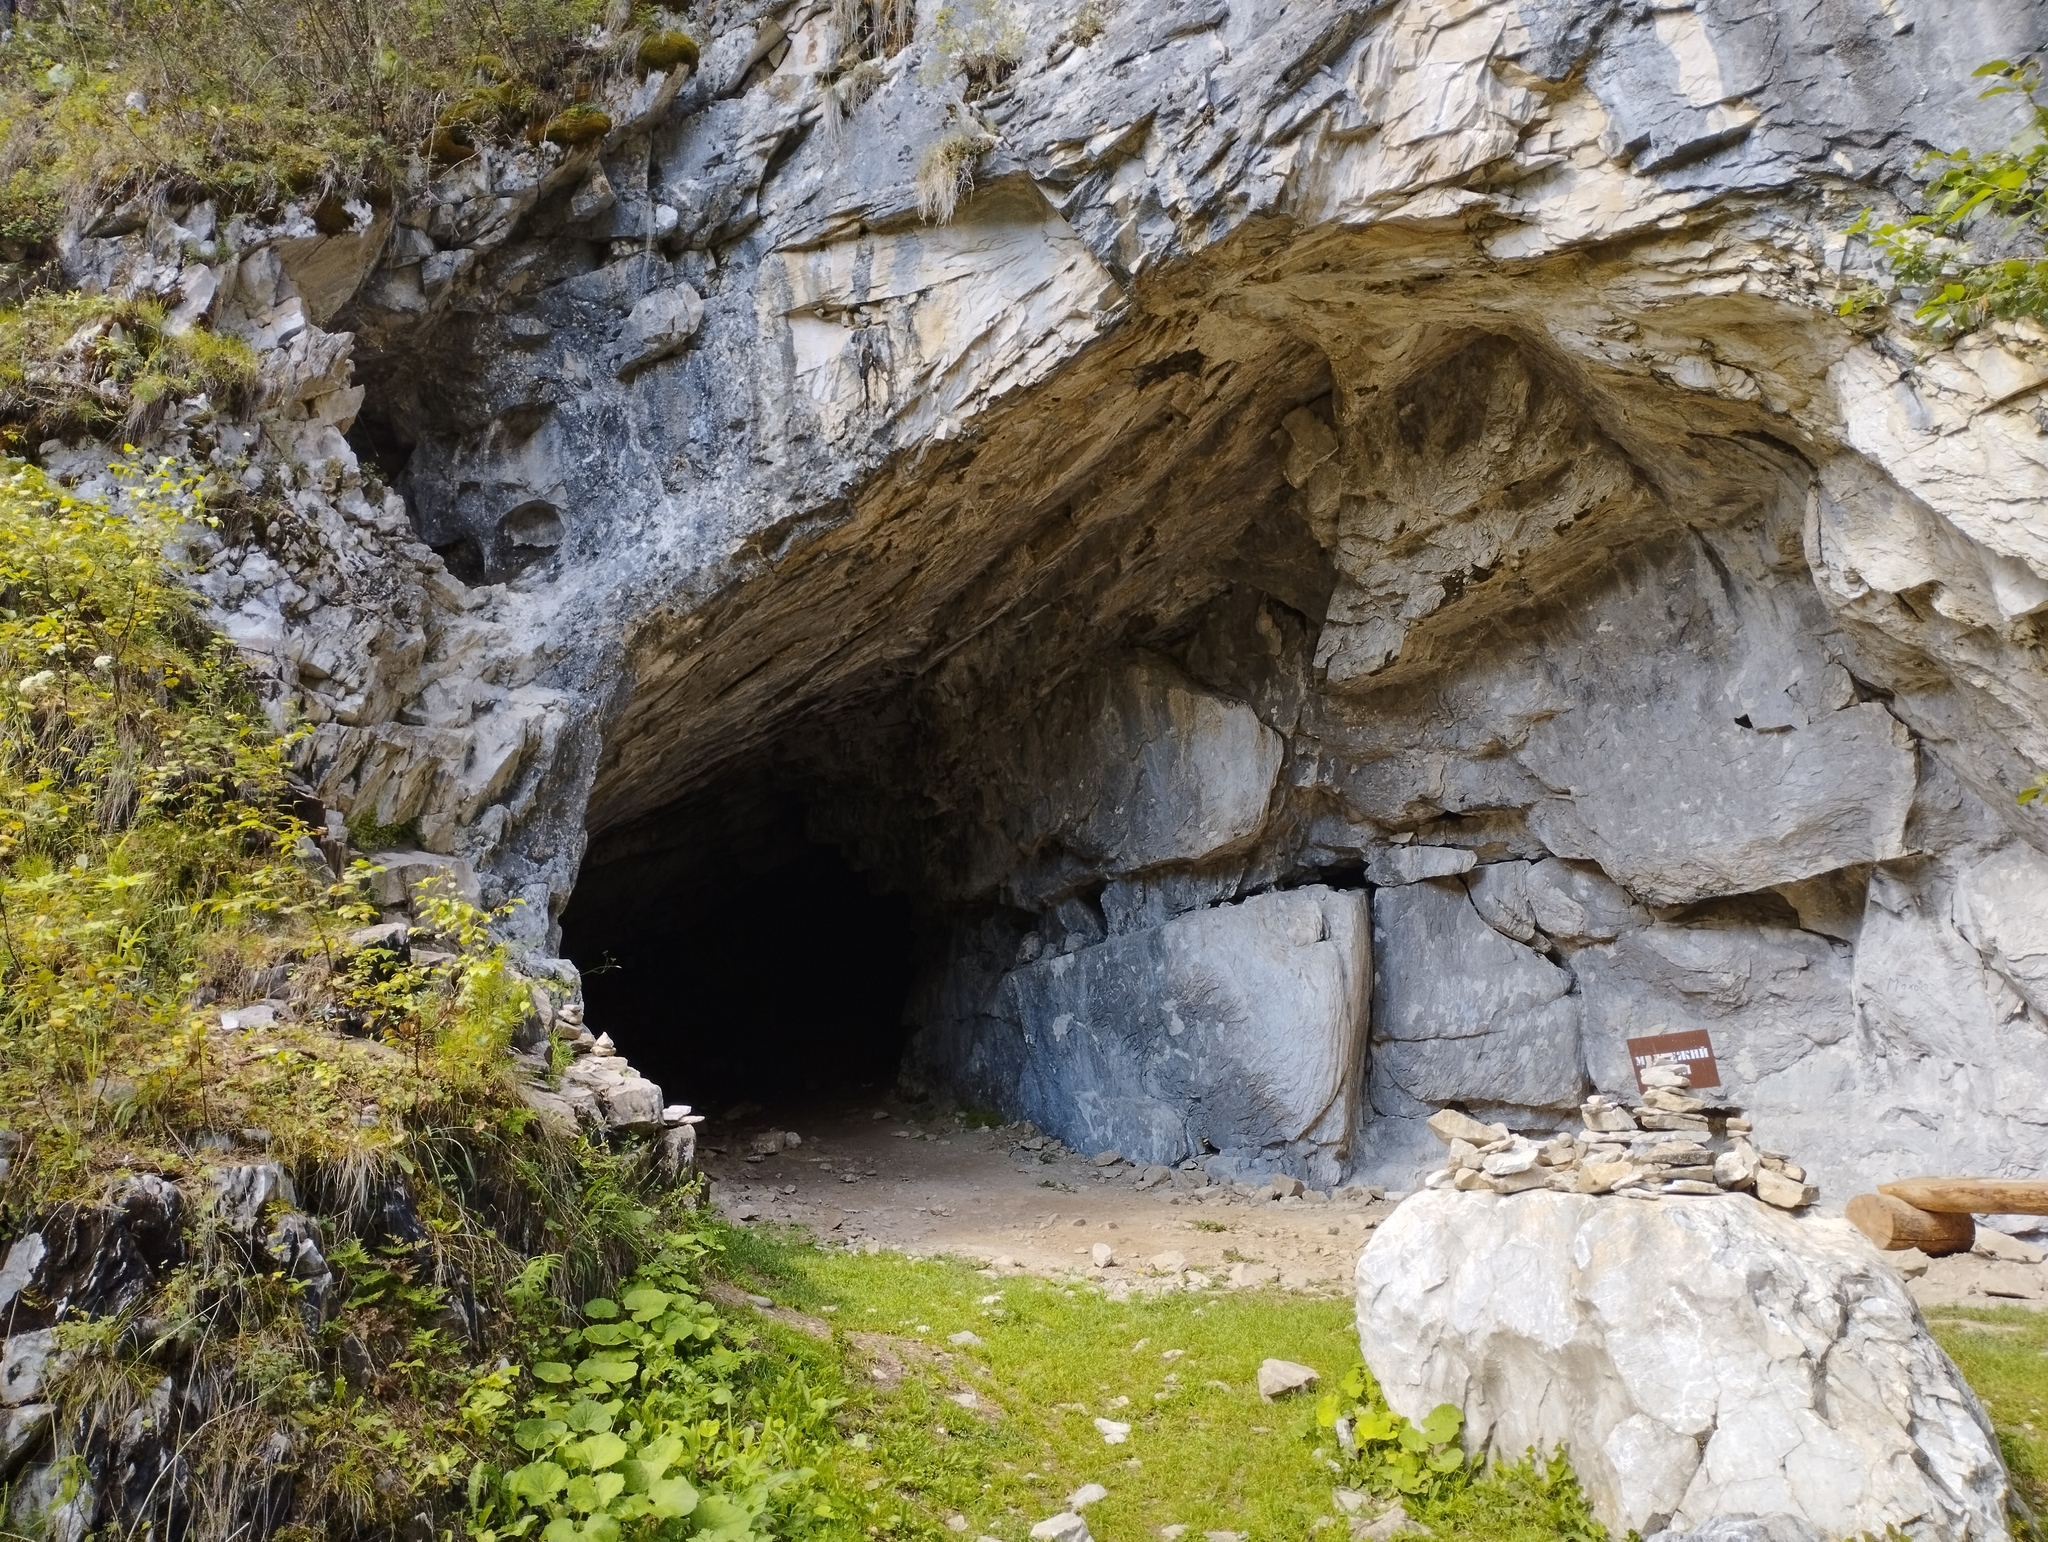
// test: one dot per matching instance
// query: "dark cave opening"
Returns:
(732, 958)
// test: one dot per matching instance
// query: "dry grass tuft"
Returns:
(946, 173)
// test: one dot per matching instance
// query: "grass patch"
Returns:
(108, 101)
(2003, 1354)
(77, 364)
(1203, 1450)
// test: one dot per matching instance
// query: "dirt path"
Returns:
(882, 1175)
(887, 1175)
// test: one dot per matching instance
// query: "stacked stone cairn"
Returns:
(1674, 1142)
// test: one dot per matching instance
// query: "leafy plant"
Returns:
(108, 102)
(637, 1421)
(1392, 1456)
(1932, 251)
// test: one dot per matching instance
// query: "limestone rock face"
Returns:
(1238, 1030)
(1698, 1358)
(1386, 448)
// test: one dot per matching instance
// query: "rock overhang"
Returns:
(1329, 434)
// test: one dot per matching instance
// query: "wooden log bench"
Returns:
(1937, 1215)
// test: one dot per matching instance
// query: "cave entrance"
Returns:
(733, 959)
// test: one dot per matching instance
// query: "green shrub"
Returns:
(578, 124)
(642, 1417)
(980, 41)
(1931, 252)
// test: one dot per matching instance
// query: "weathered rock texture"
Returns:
(1698, 1358)
(1405, 454)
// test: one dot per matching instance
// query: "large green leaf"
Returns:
(671, 1497)
(1376, 1424)
(607, 1368)
(537, 1482)
(587, 1417)
(609, 1333)
(550, 1371)
(538, 1434)
(601, 1310)
(592, 1491)
(1443, 1423)
(659, 1454)
(646, 1302)
(602, 1450)
(721, 1519)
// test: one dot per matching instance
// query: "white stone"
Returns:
(26, 1362)
(1786, 1193)
(1065, 1527)
(1086, 1495)
(1698, 1358)
(1239, 1025)
(1990, 1243)
(1277, 1378)
(659, 326)
(1113, 1433)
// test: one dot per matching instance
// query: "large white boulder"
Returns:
(1697, 1358)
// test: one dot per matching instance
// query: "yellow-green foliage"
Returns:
(579, 124)
(74, 364)
(143, 796)
(151, 860)
(153, 868)
(981, 41)
(251, 104)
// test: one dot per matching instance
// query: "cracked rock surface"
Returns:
(1698, 1357)
(1360, 570)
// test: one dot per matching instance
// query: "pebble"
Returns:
(1065, 1527)
(1395, 1523)
(1113, 1434)
(1102, 1255)
(1086, 1495)
(966, 1338)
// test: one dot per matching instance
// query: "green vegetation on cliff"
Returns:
(340, 1236)
(1975, 199)
(105, 102)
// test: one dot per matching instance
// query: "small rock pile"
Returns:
(601, 1091)
(1674, 1142)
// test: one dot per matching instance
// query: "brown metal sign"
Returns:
(1692, 1048)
